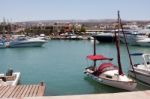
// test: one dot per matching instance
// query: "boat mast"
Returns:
(94, 51)
(118, 47)
(130, 59)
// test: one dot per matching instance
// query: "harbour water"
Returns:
(60, 64)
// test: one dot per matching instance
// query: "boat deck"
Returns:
(21, 91)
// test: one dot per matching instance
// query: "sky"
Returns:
(30, 10)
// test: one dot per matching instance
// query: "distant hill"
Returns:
(94, 21)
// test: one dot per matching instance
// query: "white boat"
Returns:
(2, 44)
(143, 42)
(141, 70)
(23, 41)
(11, 78)
(43, 37)
(132, 37)
(108, 73)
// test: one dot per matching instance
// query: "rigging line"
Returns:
(94, 51)
(131, 63)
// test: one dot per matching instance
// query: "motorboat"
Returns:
(23, 41)
(143, 42)
(141, 71)
(107, 73)
(11, 78)
(2, 44)
(132, 37)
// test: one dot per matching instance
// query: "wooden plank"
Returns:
(14, 91)
(17, 92)
(22, 90)
(32, 90)
(2, 88)
(11, 89)
(28, 91)
(4, 91)
(35, 90)
(41, 90)
(25, 90)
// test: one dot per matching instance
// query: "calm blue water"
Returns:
(60, 64)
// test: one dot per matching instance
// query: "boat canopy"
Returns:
(98, 57)
(136, 54)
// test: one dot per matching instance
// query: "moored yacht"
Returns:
(104, 37)
(143, 42)
(2, 44)
(132, 37)
(23, 41)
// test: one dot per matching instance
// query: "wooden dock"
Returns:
(21, 91)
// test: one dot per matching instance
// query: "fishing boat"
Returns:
(23, 41)
(108, 73)
(10, 78)
(141, 71)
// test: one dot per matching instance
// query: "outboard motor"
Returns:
(9, 72)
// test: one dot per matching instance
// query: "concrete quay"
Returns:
(122, 95)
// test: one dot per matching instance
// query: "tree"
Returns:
(82, 29)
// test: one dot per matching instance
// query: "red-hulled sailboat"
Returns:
(107, 73)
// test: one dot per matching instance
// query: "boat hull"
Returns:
(144, 43)
(18, 75)
(10, 80)
(118, 84)
(26, 44)
(104, 38)
(140, 76)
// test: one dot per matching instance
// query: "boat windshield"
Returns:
(21, 38)
(147, 58)
(140, 58)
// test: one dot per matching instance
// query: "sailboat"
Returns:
(108, 73)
